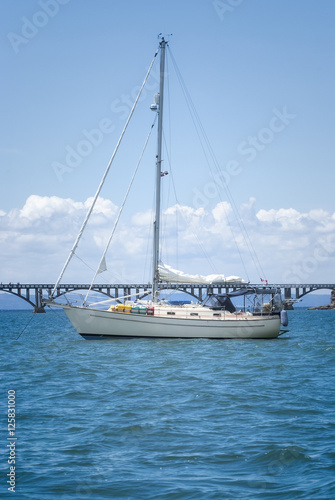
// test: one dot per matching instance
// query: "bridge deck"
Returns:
(35, 293)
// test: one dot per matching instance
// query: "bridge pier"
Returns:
(288, 295)
(39, 308)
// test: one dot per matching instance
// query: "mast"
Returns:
(159, 108)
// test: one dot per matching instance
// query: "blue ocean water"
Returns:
(168, 419)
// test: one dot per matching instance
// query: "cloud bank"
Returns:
(291, 247)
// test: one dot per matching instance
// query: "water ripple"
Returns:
(163, 419)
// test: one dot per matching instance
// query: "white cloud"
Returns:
(284, 218)
(221, 212)
(44, 207)
(102, 207)
(291, 246)
(37, 207)
(185, 211)
(142, 218)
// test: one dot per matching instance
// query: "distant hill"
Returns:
(313, 300)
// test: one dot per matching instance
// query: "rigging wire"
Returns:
(25, 327)
(204, 139)
(149, 241)
(104, 177)
(115, 276)
(102, 265)
(150, 237)
(178, 210)
(164, 220)
(171, 176)
(168, 151)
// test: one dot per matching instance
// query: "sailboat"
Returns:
(215, 318)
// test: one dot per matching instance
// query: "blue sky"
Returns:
(261, 75)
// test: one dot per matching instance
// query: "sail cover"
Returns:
(170, 275)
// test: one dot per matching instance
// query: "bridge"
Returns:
(35, 294)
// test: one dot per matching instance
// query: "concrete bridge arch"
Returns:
(35, 294)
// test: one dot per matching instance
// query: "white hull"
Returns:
(93, 323)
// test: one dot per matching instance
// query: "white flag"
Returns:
(102, 266)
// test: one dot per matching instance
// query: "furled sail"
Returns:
(170, 275)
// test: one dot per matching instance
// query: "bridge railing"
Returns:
(34, 293)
